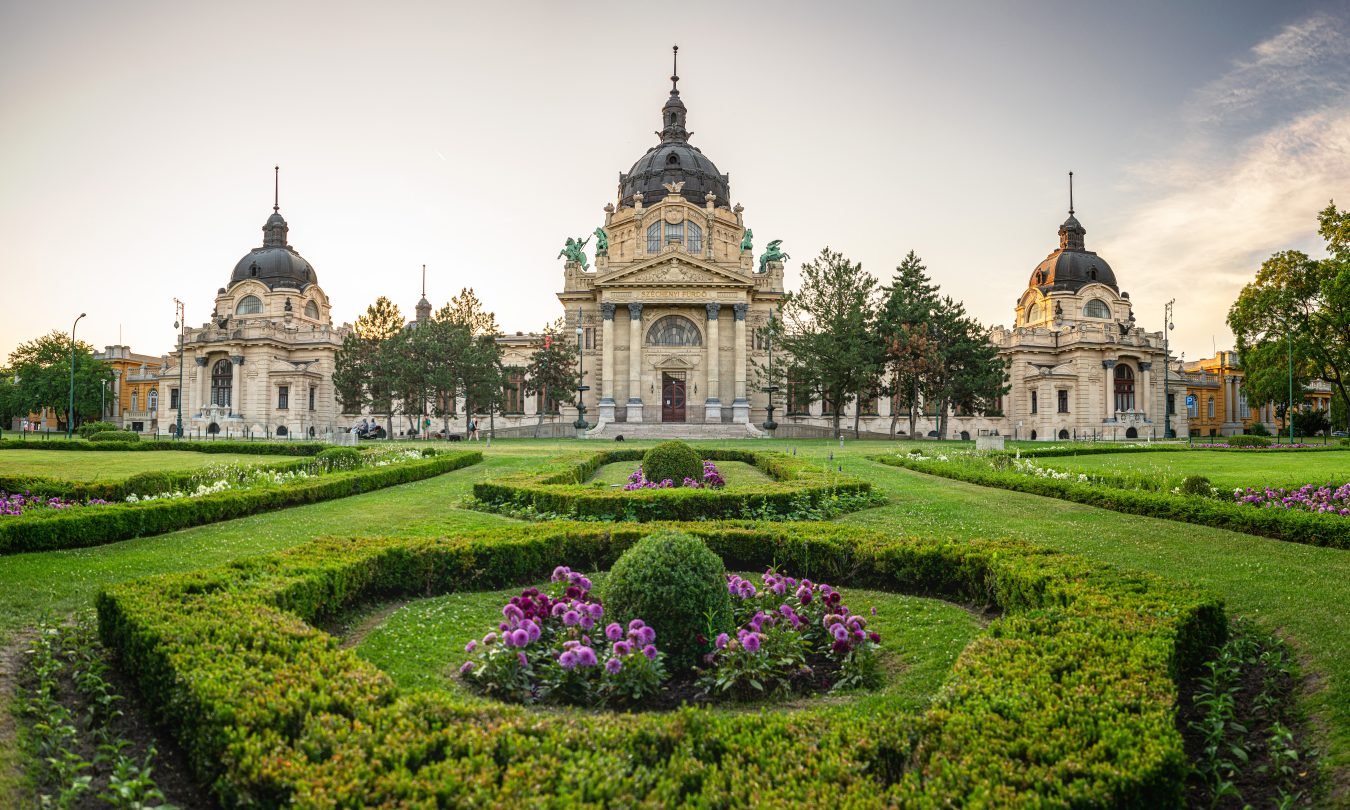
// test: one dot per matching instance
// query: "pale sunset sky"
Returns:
(137, 141)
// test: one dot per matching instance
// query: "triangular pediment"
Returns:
(674, 270)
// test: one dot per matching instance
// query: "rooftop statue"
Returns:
(573, 252)
(748, 240)
(772, 253)
(601, 241)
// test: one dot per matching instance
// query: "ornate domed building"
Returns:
(670, 312)
(263, 364)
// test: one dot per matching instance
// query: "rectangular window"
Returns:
(1211, 408)
(283, 397)
(588, 337)
(173, 398)
(312, 389)
(1033, 402)
(798, 398)
(551, 407)
(1063, 401)
(826, 407)
(513, 399)
(1172, 404)
(1243, 410)
(871, 407)
(674, 233)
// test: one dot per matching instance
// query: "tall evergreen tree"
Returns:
(467, 310)
(905, 325)
(826, 327)
(552, 370)
(971, 374)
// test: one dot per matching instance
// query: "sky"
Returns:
(138, 139)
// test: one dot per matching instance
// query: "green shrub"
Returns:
(90, 428)
(171, 445)
(1247, 441)
(339, 458)
(675, 461)
(1068, 700)
(115, 436)
(1196, 485)
(1258, 429)
(677, 585)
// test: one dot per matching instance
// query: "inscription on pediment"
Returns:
(677, 274)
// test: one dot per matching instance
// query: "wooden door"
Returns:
(672, 397)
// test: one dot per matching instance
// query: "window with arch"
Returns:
(674, 159)
(311, 310)
(654, 238)
(1210, 408)
(1124, 388)
(674, 330)
(695, 243)
(248, 305)
(135, 401)
(1096, 308)
(153, 398)
(222, 380)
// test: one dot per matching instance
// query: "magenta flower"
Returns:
(471, 646)
(466, 668)
(721, 640)
(613, 632)
(586, 657)
(519, 638)
(570, 618)
(650, 652)
(751, 642)
(532, 630)
(567, 660)
(622, 648)
(646, 634)
(490, 639)
(613, 665)
(636, 624)
(524, 662)
(596, 610)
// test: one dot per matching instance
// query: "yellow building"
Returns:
(132, 400)
(1216, 404)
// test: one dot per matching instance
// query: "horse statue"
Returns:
(573, 252)
(747, 242)
(772, 253)
(601, 242)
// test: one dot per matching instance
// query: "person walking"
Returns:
(473, 429)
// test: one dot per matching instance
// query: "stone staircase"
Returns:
(637, 431)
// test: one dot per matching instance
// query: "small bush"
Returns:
(1196, 485)
(339, 458)
(90, 428)
(1258, 429)
(672, 460)
(678, 585)
(1248, 441)
(115, 436)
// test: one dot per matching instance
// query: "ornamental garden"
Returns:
(753, 622)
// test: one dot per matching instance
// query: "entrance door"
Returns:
(672, 396)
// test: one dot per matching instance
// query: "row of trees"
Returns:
(389, 366)
(37, 376)
(1292, 323)
(848, 339)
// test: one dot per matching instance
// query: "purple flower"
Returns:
(519, 638)
(646, 634)
(471, 646)
(524, 662)
(531, 629)
(622, 648)
(636, 624)
(466, 668)
(614, 632)
(721, 640)
(586, 657)
(613, 665)
(570, 618)
(513, 613)
(559, 608)
(650, 652)
(587, 622)
(751, 642)
(804, 595)
(490, 639)
(839, 632)
(874, 637)
(596, 610)
(560, 573)
(567, 660)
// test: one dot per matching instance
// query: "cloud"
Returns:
(1266, 146)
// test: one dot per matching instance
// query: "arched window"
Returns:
(654, 238)
(154, 400)
(674, 330)
(221, 381)
(695, 238)
(1097, 309)
(1124, 388)
(674, 159)
(248, 305)
(311, 310)
(135, 401)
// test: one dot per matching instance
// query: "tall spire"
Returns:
(675, 70)
(673, 113)
(276, 189)
(1070, 193)
(275, 229)
(424, 306)
(1072, 231)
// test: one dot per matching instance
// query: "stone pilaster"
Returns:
(607, 362)
(740, 407)
(237, 385)
(634, 362)
(203, 384)
(713, 404)
(1110, 373)
(1145, 401)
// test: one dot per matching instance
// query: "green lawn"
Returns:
(1297, 590)
(104, 465)
(1226, 469)
(735, 473)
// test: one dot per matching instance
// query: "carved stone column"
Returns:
(607, 362)
(203, 384)
(237, 385)
(740, 407)
(634, 362)
(713, 404)
(1229, 399)
(1110, 374)
(1145, 402)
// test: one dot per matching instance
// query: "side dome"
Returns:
(276, 263)
(1072, 266)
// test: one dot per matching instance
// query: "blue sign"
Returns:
(1190, 400)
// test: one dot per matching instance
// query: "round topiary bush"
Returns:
(675, 583)
(1196, 485)
(672, 460)
(339, 458)
(115, 436)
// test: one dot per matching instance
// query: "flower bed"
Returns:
(711, 479)
(560, 489)
(1325, 499)
(222, 446)
(13, 504)
(1069, 699)
(1290, 525)
(43, 530)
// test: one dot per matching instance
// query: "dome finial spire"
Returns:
(675, 70)
(424, 281)
(276, 188)
(1070, 193)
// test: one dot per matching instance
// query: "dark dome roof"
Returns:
(673, 160)
(1072, 267)
(276, 263)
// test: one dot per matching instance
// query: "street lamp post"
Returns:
(70, 414)
(769, 424)
(1167, 365)
(180, 323)
(582, 388)
(1289, 409)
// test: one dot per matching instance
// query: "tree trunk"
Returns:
(913, 407)
(857, 414)
(895, 414)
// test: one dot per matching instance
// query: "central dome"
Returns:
(673, 161)
(1073, 266)
(276, 263)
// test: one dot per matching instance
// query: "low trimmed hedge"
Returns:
(95, 525)
(223, 446)
(115, 436)
(1106, 449)
(152, 482)
(1291, 525)
(559, 488)
(1068, 700)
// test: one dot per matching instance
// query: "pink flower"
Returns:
(471, 646)
(567, 660)
(524, 662)
(613, 665)
(721, 640)
(614, 632)
(586, 657)
(466, 668)
(650, 652)
(570, 618)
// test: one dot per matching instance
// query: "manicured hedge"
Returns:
(95, 525)
(1292, 525)
(1068, 700)
(223, 446)
(1105, 448)
(152, 482)
(115, 436)
(559, 488)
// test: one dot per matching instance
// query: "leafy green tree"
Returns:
(1310, 422)
(39, 377)
(827, 328)
(1298, 305)
(552, 370)
(368, 370)
(970, 374)
(465, 309)
(905, 327)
